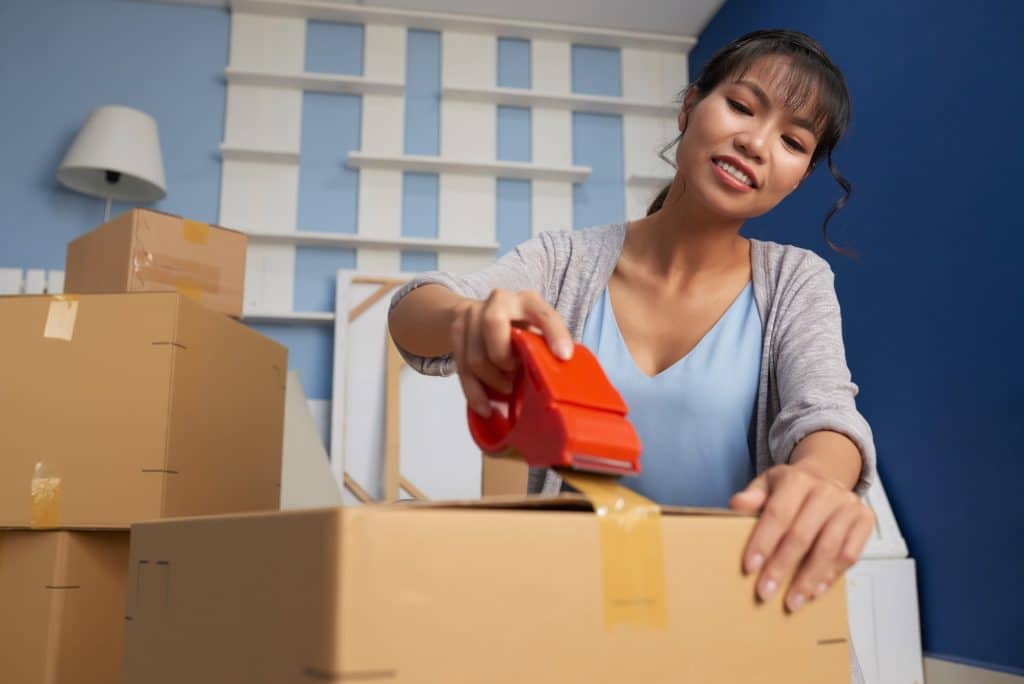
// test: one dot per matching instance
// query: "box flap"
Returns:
(565, 501)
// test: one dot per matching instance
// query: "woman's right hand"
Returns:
(482, 341)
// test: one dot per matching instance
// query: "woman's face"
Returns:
(743, 152)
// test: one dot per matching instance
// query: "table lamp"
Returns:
(116, 156)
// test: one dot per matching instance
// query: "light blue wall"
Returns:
(60, 59)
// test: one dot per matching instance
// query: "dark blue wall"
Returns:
(932, 313)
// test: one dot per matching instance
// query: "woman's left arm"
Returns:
(811, 521)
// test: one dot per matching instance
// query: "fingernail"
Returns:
(483, 409)
(767, 589)
(820, 589)
(564, 350)
(754, 563)
(796, 601)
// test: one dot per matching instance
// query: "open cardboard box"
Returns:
(502, 590)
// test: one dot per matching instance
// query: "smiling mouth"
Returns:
(734, 172)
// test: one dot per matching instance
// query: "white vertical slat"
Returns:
(551, 208)
(380, 190)
(468, 131)
(650, 76)
(10, 281)
(263, 196)
(35, 281)
(54, 282)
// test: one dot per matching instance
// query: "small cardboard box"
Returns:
(465, 593)
(63, 598)
(503, 476)
(121, 408)
(148, 251)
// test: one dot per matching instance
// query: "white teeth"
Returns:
(734, 172)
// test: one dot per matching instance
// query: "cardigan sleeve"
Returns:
(815, 388)
(526, 267)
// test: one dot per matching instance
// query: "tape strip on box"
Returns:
(632, 556)
(61, 317)
(195, 232)
(45, 497)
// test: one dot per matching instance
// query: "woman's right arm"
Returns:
(433, 321)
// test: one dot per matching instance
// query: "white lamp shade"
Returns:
(121, 140)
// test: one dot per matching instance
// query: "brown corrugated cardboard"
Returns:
(459, 594)
(150, 406)
(501, 476)
(63, 598)
(149, 251)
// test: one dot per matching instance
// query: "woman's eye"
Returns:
(738, 107)
(793, 143)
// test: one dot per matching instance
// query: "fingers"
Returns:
(477, 357)
(838, 546)
(786, 500)
(476, 396)
(539, 313)
(482, 342)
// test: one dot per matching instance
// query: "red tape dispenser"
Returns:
(560, 414)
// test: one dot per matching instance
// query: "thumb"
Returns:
(751, 499)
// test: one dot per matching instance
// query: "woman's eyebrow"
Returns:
(766, 103)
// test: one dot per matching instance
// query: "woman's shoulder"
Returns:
(588, 244)
(784, 262)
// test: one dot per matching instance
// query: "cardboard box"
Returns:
(121, 408)
(503, 476)
(407, 593)
(63, 598)
(148, 251)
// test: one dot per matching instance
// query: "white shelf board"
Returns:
(326, 10)
(409, 162)
(643, 179)
(321, 83)
(290, 317)
(521, 97)
(323, 239)
(239, 153)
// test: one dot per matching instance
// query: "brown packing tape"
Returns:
(45, 497)
(195, 232)
(185, 275)
(632, 556)
(60, 319)
(190, 290)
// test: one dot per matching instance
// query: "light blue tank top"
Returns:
(693, 418)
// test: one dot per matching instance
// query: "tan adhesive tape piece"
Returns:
(190, 290)
(196, 232)
(157, 268)
(632, 557)
(60, 319)
(45, 492)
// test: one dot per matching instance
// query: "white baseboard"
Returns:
(938, 671)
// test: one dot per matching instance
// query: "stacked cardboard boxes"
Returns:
(132, 397)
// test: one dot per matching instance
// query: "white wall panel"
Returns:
(270, 43)
(551, 129)
(263, 118)
(259, 196)
(466, 202)
(269, 278)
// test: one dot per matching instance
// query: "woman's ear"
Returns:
(689, 101)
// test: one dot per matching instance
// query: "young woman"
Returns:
(727, 350)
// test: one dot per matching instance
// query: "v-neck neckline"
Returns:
(607, 294)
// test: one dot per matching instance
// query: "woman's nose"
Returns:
(750, 145)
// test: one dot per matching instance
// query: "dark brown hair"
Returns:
(810, 72)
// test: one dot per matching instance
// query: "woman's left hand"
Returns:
(808, 522)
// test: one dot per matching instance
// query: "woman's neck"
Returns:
(680, 245)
